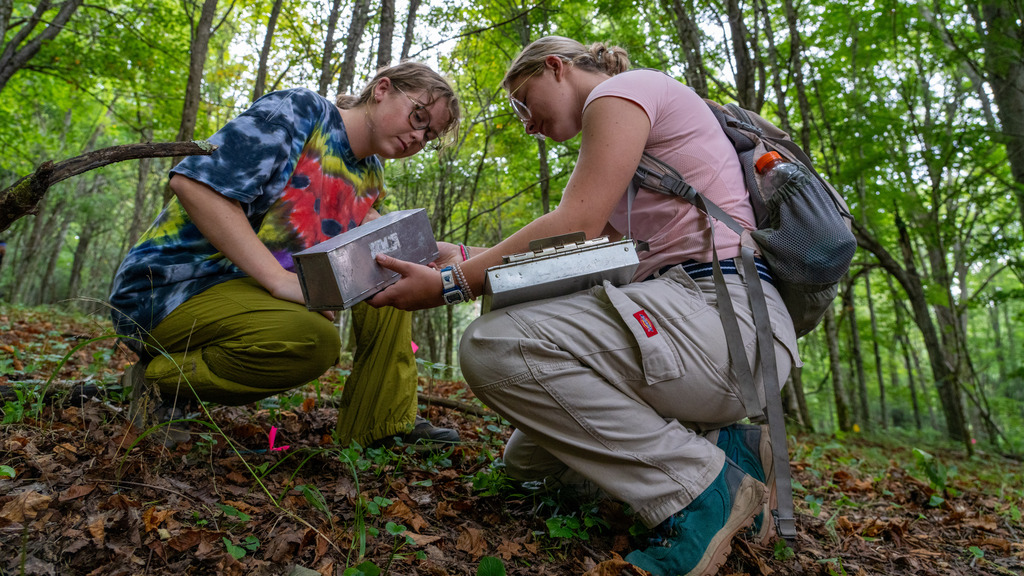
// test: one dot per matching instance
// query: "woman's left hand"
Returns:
(418, 288)
(448, 254)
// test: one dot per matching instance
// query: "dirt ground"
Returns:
(91, 495)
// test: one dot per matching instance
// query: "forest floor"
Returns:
(82, 492)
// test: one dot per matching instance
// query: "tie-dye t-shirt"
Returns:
(288, 162)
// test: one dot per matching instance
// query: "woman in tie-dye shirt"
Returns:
(210, 292)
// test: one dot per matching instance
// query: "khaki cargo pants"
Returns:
(614, 385)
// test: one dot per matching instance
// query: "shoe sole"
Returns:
(750, 498)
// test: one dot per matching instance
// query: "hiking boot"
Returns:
(424, 436)
(750, 447)
(696, 540)
(145, 396)
(169, 416)
(146, 409)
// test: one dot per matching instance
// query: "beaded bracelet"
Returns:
(463, 283)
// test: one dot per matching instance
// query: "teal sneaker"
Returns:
(696, 540)
(750, 447)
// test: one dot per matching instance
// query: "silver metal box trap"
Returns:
(558, 266)
(341, 272)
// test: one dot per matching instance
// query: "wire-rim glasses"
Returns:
(419, 118)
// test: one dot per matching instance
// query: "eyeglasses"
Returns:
(419, 118)
(521, 110)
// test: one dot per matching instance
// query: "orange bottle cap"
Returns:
(766, 159)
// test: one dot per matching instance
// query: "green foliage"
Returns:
(490, 566)
(936, 472)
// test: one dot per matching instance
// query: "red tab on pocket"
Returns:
(646, 323)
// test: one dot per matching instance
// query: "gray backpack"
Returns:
(804, 235)
(806, 238)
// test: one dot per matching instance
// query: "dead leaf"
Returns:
(421, 539)
(1000, 543)
(845, 525)
(67, 452)
(444, 510)
(25, 506)
(76, 491)
(614, 567)
(987, 523)
(152, 518)
(471, 540)
(509, 549)
(120, 502)
(97, 528)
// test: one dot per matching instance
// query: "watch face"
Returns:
(453, 297)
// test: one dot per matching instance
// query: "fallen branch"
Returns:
(23, 197)
(78, 390)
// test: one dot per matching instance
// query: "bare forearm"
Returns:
(223, 223)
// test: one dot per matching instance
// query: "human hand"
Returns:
(418, 288)
(448, 254)
(287, 287)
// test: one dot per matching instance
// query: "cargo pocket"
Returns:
(660, 361)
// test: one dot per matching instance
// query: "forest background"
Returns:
(913, 110)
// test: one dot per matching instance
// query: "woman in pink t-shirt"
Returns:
(627, 390)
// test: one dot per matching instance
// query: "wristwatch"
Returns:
(450, 291)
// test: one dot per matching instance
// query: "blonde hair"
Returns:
(596, 57)
(412, 76)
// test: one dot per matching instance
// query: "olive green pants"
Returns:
(235, 343)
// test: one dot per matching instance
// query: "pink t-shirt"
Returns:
(685, 135)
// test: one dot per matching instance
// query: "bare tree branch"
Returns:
(23, 197)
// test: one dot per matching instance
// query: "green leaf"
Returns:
(232, 511)
(7, 471)
(490, 566)
(367, 568)
(237, 552)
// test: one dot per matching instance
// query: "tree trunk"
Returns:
(689, 37)
(862, 412)
(387, 33)
(796, 65)
(360, 16)
(19, 50)
(746, 78)
(140, 215)
(1004, 63)
(45, 294)
(875, 337)
(796, 385)
(326, 70)
(198, 49)
(842, 405)
(268, 42)
(410, 27)
(910, 280)
(773, 63)
(81, 257)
